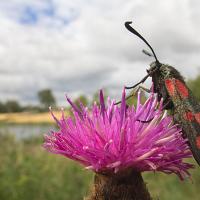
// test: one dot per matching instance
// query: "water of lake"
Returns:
(26, 131)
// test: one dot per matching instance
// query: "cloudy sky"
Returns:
(77, 47)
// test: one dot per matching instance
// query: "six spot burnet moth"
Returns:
(169, 85)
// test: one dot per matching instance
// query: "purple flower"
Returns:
(116, 137)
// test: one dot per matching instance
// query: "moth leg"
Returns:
(144, 89)
(142, 81)
(148, 91)
(135, 92)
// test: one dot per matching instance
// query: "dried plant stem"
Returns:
(127, 185)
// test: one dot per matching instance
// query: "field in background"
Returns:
(27, 171)
(28, 118)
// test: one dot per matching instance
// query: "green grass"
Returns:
(28, 172)
(169, 187)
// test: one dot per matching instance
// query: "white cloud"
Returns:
(81, 46)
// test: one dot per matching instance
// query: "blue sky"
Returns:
(80, 46)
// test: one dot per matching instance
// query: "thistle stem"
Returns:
(127, 185)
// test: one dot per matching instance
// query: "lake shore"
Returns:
(28, 118)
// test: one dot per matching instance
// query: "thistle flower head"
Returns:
(111, 137)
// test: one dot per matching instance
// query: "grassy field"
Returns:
(27, 171)
(28, 117)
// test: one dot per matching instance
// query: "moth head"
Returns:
(154, 66)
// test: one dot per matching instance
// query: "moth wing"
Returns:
(186, 113)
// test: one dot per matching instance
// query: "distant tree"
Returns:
(81, 99)
(95, 97)
(46, 98)
(3, 108)
(32, 108)
(12, 106)
(194, 85)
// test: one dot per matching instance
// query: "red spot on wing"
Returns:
(182, 89)
(198, 142)
(189, 116)
(197, 117)
(170, 86)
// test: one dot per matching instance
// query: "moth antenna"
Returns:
(132, 30)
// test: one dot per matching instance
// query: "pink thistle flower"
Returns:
(113, 138)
